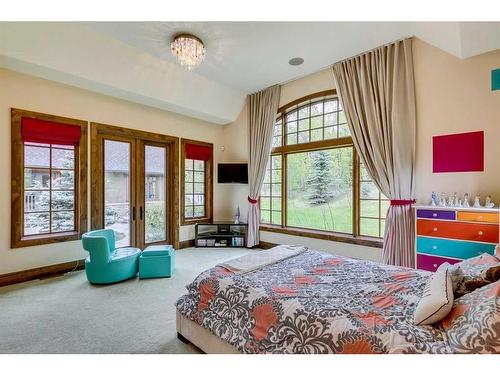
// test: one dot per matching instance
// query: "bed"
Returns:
(309, 302)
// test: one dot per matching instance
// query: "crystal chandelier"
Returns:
(188, 50)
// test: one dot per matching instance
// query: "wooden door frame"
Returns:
(98, 130)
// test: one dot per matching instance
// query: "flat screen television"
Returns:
(236, 173)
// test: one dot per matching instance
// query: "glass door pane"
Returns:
(117, 190)
(155, 223)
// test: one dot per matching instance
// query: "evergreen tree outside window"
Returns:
(320, 178)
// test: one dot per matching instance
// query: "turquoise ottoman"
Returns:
(156, 261)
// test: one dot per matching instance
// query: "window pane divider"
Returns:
(313, 146)
(355, 193)
(284, 193)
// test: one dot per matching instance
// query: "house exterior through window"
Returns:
(49, 188)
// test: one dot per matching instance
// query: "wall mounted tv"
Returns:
(236, 173)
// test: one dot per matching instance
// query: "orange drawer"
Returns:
(483, 217)
(457, 230)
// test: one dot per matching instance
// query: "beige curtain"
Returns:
(263, 109)
(377, 92)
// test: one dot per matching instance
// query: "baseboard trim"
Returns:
(41, 272)
(266, 245)
(185, 244)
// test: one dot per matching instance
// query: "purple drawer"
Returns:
(436, 214)
(431, 263)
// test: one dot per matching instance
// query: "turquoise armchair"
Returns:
(105, 264)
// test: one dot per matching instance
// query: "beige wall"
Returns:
(313, 83)
(236, 146)
(27, 92)
(452, 96)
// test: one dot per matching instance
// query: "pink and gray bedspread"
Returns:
(314, 303)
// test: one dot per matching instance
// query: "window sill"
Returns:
(187, 222)
(44, 239)
(328, 236)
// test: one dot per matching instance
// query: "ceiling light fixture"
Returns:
(188, 50)
(296, 61)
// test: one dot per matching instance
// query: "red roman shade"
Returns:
(40, 131)
(197, 152)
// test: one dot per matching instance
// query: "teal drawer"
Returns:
(452, 248)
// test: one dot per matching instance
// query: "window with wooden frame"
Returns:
(270, 195)
(312, 182)
(373, 206)
(196, 181)
(49, 178)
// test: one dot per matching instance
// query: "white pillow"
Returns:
(437, 300)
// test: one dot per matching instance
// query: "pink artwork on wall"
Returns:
(458, 152)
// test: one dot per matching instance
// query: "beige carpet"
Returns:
(68, 315)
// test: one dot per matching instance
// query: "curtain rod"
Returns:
(347, 58)
(371, 50)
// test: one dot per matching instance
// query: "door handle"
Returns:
(140, 213)
(133, 213)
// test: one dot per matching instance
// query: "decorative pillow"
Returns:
(473, 325)
(474, 270)
(437, 300)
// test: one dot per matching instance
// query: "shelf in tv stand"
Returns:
(220, 234)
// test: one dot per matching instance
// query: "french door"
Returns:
(134, 185)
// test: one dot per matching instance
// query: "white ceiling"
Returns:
(132, 60)
(249, 56)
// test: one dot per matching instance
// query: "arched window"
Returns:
(314, 181)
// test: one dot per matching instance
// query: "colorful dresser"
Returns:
(451, 234)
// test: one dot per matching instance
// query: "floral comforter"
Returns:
(313, 303)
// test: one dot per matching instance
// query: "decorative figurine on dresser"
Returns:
(434, 199)
(489, 203)
(453, 232)
(476, 202)
(466, 200)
